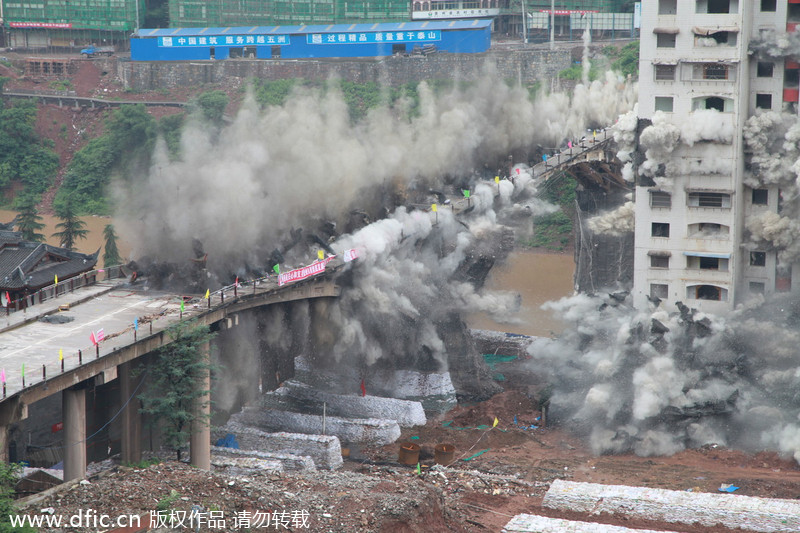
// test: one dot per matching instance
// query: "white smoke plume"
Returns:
(659, 140)
(586, 64)
(241, 189)
(707, 125)
(776, 44)
(655, 383)
(616, 222)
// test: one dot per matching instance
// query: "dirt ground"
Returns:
(475, 492)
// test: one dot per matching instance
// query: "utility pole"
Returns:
(552, 24)
(136, 2)
(524, 24)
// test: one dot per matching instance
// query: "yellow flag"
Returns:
(60, 354)
(208, 294)
(434, 208)
(56, 279)
(320, 255)
(497, 179)
(495, 422)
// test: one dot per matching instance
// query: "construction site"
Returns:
(367, 403)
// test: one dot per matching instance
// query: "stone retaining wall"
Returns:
(521, 66)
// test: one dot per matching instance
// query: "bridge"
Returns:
(39, 359)
(591, 148)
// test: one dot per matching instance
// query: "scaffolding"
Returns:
(66, 24)
(225, 13)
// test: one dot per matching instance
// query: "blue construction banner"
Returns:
(222, 40)
(375, 37)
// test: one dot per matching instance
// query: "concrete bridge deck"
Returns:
(25, 339)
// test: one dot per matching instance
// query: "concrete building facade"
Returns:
(699, 85)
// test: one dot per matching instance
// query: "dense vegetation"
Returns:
(25, 158)
(624, 60)
(553, 230)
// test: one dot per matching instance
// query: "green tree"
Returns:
(24, 156)
(29, 222)
(111, 254)
(9, 474)
(176, 383)
(212, 105)
(72, 227)
(126, 147)
(624, 60)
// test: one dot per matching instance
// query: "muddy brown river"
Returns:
(539, 278)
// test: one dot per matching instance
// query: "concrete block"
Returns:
(362, 430)
(435, 391)
(244, 466)
(406, 413)
(324, 450)
(286, 461)
(526, 523)
(730, 510)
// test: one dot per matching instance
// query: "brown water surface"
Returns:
(539, 278)
(93, 241)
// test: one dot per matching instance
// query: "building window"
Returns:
(708, 230)
(709, 263)
(665, 72)
(660, 199)
(709, 199)
(659, 290)
(763, 101)
(758, 259)
(765, 69)
(715, 102)
(769, 5)
(667, 7)
(713, 6)
(757, 287)
(713, 71)
(705, 38)
(760, 197)
(664, 103)
(723, 105)
(659, 261)
(791, 78)
(665, 40)
(659, 229)
(708, 292)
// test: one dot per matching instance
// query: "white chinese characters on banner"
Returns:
(349, 255)
(317, 267)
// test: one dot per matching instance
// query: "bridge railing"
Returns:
(597, 140)
(63, 287)
(16, 379)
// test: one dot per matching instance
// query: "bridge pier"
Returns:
(131, 419)
(200, 439)
(74, 407)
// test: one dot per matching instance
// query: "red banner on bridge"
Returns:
(317, 267)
